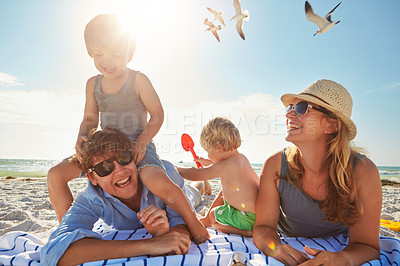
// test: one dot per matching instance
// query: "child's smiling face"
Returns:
(110, 44)
(111, 62)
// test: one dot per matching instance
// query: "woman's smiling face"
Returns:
(310, 126)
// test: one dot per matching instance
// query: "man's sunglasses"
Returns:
(106, 167)
(301, 108)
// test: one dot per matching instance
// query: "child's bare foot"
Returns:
(203, 186)
(198, 231)
(200, 186)
(207, 188)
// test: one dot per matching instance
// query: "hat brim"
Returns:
(288, 99)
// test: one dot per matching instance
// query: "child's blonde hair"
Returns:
(106, 30)
(220, 131)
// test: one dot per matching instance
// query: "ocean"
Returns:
(28, 168)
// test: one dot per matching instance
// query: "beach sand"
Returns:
(25, 206)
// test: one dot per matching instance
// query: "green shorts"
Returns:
(230, 216)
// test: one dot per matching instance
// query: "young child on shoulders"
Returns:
(236, 212)
(121, 98)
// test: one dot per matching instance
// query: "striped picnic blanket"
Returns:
(20, 248)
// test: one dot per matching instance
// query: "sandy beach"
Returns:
(25, 206)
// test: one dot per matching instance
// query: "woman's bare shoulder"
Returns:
(274, 160)
(366, 173)
(272, 166)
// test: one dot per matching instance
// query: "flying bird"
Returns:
(325, 23)
(240, 16)
(217, 15)
(212, 28)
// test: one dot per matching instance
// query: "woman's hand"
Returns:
(154, 220)
(138, 151)
(289, 255)
(323, 257)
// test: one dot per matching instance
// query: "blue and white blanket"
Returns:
(20, 248)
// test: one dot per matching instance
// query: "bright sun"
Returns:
(144, 19)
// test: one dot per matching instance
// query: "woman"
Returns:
(320, 186)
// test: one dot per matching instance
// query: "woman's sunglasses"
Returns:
(301, 108)
(106, 167)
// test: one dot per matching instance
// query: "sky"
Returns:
(44, 67)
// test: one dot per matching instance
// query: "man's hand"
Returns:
(171, 243)
(154, 220)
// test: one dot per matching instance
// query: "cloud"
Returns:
(259, 117)
(8, 80)
(39, 123)
(384, 88)
(41, 108)
(253, 113)
(51, 120)
(392, 85)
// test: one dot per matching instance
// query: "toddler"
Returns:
(236, 212)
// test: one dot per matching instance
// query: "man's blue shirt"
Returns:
(94, 204)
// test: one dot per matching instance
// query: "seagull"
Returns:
(325, 23)
(217, 15)
(212, 28)
(240, 16)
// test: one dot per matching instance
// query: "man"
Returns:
(116, 195)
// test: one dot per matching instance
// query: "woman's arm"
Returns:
(87, 249)
(363, 243)
(267, 209)
(369, 190)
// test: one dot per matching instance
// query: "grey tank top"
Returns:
(300, 215)
(122, 110)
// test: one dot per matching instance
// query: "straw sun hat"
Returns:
(330, 95)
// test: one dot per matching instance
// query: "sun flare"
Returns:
(146, 19)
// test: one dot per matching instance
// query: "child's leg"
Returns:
(218, 201)
(57, 183)
(158, 182)
(228, 229)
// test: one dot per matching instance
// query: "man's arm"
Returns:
(58, 177)
(77, 223)
(86, 249)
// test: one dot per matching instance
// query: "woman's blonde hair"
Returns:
(220, 131)
(106, 30)
(342, 202)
